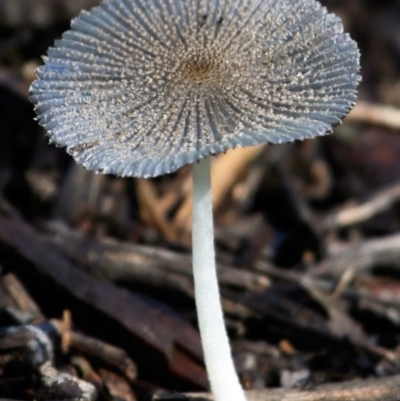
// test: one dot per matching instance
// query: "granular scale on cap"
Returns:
(141, 88)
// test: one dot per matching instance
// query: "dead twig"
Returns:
(349, 216)
(382, 389)
(21, 297)
(108, 353)
(343, 325)
(159, 332)
(226, 170)
(377, 114)
(122, 261)
(358, 257)
(150, 210)
(117, 386)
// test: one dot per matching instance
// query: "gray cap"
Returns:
(143, 87)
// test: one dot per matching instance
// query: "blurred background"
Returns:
(98, 268)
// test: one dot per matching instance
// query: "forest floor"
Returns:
(96, 284)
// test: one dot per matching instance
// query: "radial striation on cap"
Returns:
(143, 87)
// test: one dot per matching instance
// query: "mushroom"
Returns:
(140, 88)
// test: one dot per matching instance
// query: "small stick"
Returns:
(350, 216)
(382, 389)
(21, 297)
(370, 113)
(112, 355)
(226, 170)
(151, 210)
(360, 257)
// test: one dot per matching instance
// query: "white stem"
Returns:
(224, 382)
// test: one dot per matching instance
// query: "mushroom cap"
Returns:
(142, 87)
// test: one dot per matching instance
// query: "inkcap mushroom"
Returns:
(140, 88)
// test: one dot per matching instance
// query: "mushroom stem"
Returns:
(217, 354)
